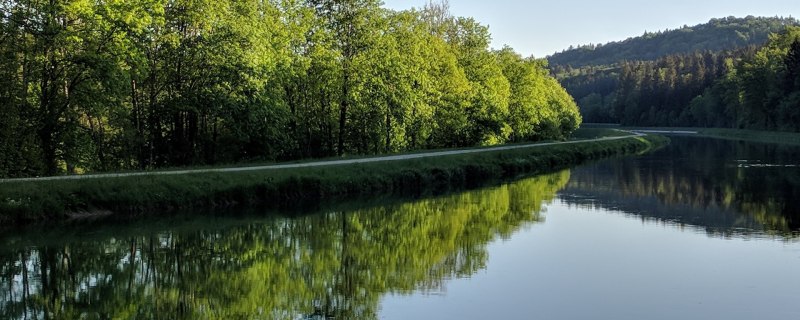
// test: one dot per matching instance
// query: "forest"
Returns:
(715, 35)
(109, 85)
(755, 86)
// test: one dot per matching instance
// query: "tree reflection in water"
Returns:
(331, 265)
(725, 187)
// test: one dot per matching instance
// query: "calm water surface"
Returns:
(703, 229)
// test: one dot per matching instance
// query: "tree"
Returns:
(115, 85)
(490, 89)
(539, 108)
(349, 21)
(792, 62)
(789, 107)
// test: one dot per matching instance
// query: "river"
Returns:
(702, 229)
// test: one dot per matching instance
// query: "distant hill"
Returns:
(716, 35)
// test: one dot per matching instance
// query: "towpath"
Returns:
(319, 163)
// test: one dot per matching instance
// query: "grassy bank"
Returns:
(54, 200)
(791, 138)
(754, 136)
(597, 132)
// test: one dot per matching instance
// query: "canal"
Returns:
(701, 229)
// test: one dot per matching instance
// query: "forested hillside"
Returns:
(663, 85)
(96, 85)
(716, 35)
(761, 92)
(750, 86)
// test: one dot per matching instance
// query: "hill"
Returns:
(730, 72)
(716, 35)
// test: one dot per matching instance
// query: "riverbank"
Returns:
(30, 201)
(789, 138)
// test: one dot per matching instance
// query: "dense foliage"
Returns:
(759, 91)
(751, 87)
(716, 35)
(762, 92)
(659, 93)
(97, 85)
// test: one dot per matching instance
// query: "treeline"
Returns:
(92, 85)
(658, 93)
(746, 89)
(761, 92)
(648, 92)
(593, 87)
(716, 35)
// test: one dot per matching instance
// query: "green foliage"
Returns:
(758, 93)
(767, 85)
(93, 86)
(747, 88)
(668, 92)
(716, 35)
(538, 108)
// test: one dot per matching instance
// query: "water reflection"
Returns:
(332, 265)
(339, 264)
(724, 187)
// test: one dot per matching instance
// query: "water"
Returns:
(703, 229)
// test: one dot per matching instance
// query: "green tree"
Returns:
(349, 20)
(766, 103)
(789, 107)
(539, 108)
(113, 85)
(491, 91)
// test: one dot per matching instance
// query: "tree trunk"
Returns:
(343, 113)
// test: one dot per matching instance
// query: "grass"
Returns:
(585, 133)
(580, 134)
(22, 202)
(789, 138)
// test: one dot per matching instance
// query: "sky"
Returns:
(541, 28)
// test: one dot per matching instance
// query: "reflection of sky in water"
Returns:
(591, 264)
(697, 230)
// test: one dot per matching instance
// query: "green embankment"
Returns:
(792, 138)
(592, 130)
(585, 133)
(22, 202)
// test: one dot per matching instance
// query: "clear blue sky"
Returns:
(541, 28)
